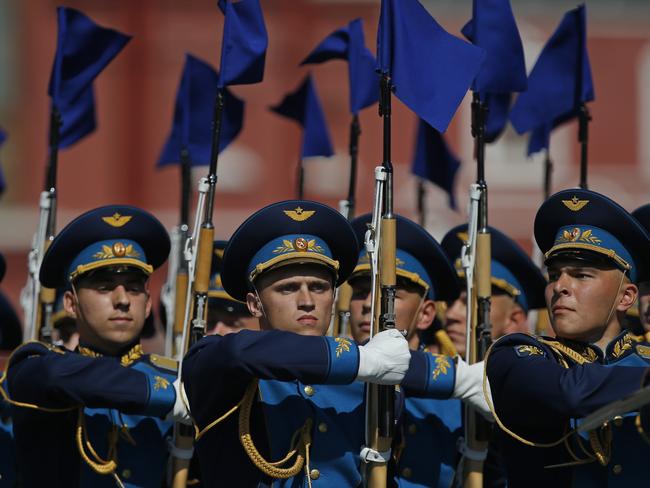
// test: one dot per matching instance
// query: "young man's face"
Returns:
(295, 298)
(506, 317)
(408, 308)
(110, 307)
(224, 322)
(583, 299)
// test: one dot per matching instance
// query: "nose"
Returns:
(456, 312)
(305, 299)
(121, 298)
(561, 285)
(366, 306)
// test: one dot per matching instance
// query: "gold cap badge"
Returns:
(575, 204)
(117, 220)
(119, 249)
(298, 214)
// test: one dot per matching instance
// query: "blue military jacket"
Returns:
(301, 378)
(540, 392)
(430, 431)
(124, 401)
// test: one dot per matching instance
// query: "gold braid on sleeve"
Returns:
(601, 444)
(300, 442)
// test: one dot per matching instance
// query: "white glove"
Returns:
(469, 386)
(385, 359)
(180, 412)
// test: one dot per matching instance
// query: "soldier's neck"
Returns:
(612, 330)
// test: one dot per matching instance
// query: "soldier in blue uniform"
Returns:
(427, 455)
(287, 394)
(225, 314)
(517, 287)
(97, 416)
(642, 313)
(595, 252)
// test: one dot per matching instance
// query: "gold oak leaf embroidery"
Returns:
(442, 366)
(108, 252)
(343, 345)
(622, 345)
(160, 383)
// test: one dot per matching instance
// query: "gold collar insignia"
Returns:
(126, 359)
(575, 204)
(298, 214)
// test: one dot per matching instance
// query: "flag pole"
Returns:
(583, 138)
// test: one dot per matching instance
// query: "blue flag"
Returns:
(78, 118)
(244, 43)
(304, 107)
(494, 29)
(561, 79)
(3, 182)
(431, 70)
(434, 161)
(540, 139)
(348, 43)
(83, 50)
(192, 128)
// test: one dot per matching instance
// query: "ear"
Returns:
(148, 304)
(426, 315)
(69, 303)
(629, 294)
(254, 305)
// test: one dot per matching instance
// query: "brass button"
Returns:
(322, 427)
(618, 421)
(309, 390)
(407, 473)
(412, 429)
(617, 469)
(126, 474)
(314, 474)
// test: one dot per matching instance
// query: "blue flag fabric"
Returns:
(561, 79)
(431, 70)
(304, 107)
(540, 139)
(83, 50)
(494, 29)
(78, 118)
(434, 161)
(348, 43)
(3, 182)
(192, 128)
(244, 43)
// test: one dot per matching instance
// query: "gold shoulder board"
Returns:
(164, 362)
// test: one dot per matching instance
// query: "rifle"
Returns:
(38, 301)
(198, 255)
(341, 317)
(478, 332)
(174, 290)
(381, 247)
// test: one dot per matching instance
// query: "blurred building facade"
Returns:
(135, 99)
